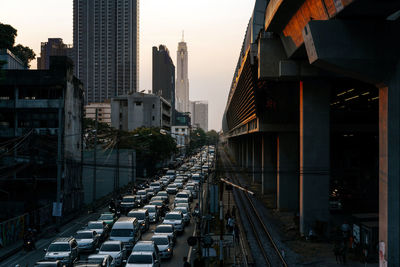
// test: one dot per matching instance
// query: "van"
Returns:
(127, 230)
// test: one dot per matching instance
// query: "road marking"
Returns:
(191, 248)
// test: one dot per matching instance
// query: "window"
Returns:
(153, 118)
(153, 106)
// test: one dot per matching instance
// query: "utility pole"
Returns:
(95, 162)
(116, 181)
(134, 167)
(59, 166)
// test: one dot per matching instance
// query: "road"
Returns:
(27, 259)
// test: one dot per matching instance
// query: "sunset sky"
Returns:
(214, 31)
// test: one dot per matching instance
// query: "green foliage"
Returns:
(7, 36)
(24, 53)
(212, 137)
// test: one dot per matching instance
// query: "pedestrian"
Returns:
(343, 252)
(234, 211)
(236, 232)
(345, 230)
(185, 262)
(231, 224)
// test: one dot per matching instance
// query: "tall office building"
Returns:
(53, 47)
(199, 113)
(163, 74)
(182, 80)
(106, 47)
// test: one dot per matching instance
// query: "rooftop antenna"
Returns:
(183, 36)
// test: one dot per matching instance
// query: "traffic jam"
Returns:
(141, 227)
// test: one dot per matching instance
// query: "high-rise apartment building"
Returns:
(53, 47)
(106, 47)
(163, 74)
(199, 113)
(182, 80)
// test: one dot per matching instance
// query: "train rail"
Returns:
(266, 246)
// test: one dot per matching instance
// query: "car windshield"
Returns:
(143, 247)
(128, 199)
(172, 186)
(154, 184)
(157, 202)
(141, 192)
(190, 188)
(140, 259)
(95, 260)
(163, 229)
(122, 232)
(160, 240)
(110, 247)
(95, 225)
(162, 194)
(106, 217)
(58, 247)
(138, 215)
(150, 208)
(84, 236)
(173, 216)
(181, 200)
(181, 195)
(182, 209)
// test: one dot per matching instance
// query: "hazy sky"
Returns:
(214, 31)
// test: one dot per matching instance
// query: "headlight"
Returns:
(169, 249)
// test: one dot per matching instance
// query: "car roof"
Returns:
(175, 212)
(85, 231)
(139, 210)
(164, 225)
(62, 239)
(112, 242)
(142, 253)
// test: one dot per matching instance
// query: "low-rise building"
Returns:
(180, 131)
(11, 61)
(40, 118)
(103, 112)
(140, 110)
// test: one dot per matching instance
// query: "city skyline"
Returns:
(216, 24)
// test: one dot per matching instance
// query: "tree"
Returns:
(24, 53)
(7, 36)
(198, 138)
(212, 137)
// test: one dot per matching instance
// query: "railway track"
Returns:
(263, 244)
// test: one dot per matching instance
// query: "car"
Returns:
(102, 259)
(46, 263)
(101, 228)
(165, 200)
(145, 258)
(153, 213)
(115, 249)
(172, 188)
(186, 205)
(164, 181)
(147, 246)
(166, 229)
(143, 218)
(150, 192)
(87, 240)
(156, 186)
(181, 200)
(128, 202)
(165, 246)
(176, 219)
(171, 173)
(179, 184)
(64, 249)
(143, 195)
(126, 230)
(182, 195)
(185, 212)
(192, 189)
(108, 217)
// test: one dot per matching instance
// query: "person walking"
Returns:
(337, 252)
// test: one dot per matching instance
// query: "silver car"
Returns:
(115, 249)
(165, 246)
(153, 213)
(176, 219)
(87, 240)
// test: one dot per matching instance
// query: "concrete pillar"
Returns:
(257, 170)
(287, 172)
(243, 144)
(314, 154)
(249, 154)
(268, 162)
(389, 169)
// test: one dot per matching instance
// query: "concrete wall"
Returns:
(105, 172)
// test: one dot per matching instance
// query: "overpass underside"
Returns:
(314, 110)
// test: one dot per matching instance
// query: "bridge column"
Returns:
(288, 172)
(257, 158)
(314, 154)
(249, 153)
(243, 152)
(389, 169)
(268, 156)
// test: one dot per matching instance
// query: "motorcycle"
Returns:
(29, 244)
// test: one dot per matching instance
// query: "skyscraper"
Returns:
(163, 74)
(182, 81)
(199, 113)
(106, 47)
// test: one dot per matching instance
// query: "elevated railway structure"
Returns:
(314, 104)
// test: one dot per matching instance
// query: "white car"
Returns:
(176, 219)
(115, 249)
(165, 246)
(143, 259)
(103, 260)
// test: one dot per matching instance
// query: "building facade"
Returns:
(106, 47)
(199, 112)
(12, 62)
(103, 112)
(41, 111)
(163, 74)
(180, 131)
(182, 80)
(53, 47)
(140, 110)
